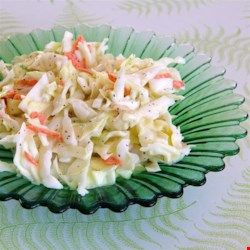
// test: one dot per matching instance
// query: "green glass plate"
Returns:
(209, 118)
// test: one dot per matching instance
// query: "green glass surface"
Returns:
(208, 117)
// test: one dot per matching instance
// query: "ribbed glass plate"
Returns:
(209, 118)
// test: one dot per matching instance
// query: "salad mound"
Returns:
(77, 116)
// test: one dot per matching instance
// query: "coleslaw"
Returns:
(77, 116)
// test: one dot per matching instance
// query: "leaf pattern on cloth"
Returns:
(72, 14)
(146, 7)
(38, 228)
(228, 227)
(231, 48)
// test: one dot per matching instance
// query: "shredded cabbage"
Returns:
(76, 116)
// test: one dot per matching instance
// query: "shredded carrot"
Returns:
(81, 66)
(112, 77)
(127, 90)
(84, 64)
(178, 84)
(113, 160)
(71, 56)
(27, 82)
(12, 94)
(50, 133)
(30, 158)
(163, 75)
(86, 70)
(41, 117)
(79, 39)
(17, 97)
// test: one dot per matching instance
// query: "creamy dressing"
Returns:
(76, 116)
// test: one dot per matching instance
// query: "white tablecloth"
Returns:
(214, 216)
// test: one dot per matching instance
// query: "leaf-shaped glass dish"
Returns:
(209, 118)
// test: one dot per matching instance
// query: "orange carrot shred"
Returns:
(71, 56)
(81, 66)
(84, 64)
(163, 75)
(41, 117)
(79, 39)
(112, 77)
(17, 97)
(88, 71)
(50, 133)
(113, 160)
(127, 90)
(178, 84)
(27, 82)
(12, 94)
(30, 158)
